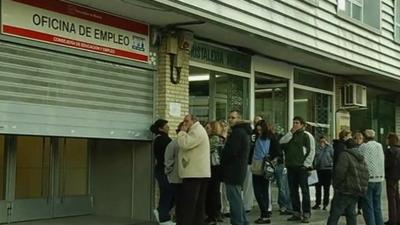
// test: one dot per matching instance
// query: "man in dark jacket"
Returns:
(234, 166)
(351, 182)
(299, 149)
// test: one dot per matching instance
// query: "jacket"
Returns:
(339, 146)
(235, 155)
(351, 173)
(194, 153)
(392, 163)
(324, 158)
(159, 145)
(171, 162)
(375, 159)
(299, 148)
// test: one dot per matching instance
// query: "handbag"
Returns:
(269, 169)
(257, 167)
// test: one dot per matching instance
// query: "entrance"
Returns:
(46, 177)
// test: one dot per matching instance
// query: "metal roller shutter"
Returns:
(56, 94)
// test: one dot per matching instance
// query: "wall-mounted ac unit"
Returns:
(354, 95)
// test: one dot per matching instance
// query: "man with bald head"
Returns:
(194, 168)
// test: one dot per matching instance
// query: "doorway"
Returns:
(46, 177)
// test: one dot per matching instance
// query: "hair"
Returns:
(300, 119)
(178, 129)
(358, 134)
(344, 133)
(369, 135)
(216, 128)
(322, 137)
(160, 123)
(265, 131)
(393, 139)
(237, 112)
(192, 117)
(350, 143)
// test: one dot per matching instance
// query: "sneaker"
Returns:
(285, 212)
(294, 218)
(305, 220)
(262, 220)
(316, 207)
(155, 211)
(167, 223)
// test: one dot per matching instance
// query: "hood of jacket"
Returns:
(243, 125)
(354, 152)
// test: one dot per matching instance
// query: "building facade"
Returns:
(81, 81)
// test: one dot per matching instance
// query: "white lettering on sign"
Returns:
(77, 27)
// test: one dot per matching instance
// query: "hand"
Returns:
(184, 128)
(293, 130)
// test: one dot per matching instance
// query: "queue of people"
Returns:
(206, 171)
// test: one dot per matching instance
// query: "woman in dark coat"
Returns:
(160, 128)
(392, 173)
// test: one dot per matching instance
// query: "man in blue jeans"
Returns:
(234, 162)
(284, 201)
(375, 158)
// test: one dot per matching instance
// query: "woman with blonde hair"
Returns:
(213, 199)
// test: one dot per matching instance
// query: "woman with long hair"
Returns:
(160, 128)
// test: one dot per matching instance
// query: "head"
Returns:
(263, 130)
(160, 126)
(214, 128)
(369, 135)
(393, 139)
(358, 137)
(179, 127)
(234, 117)
(322, 140)
(257, 118)
(225, 127)
(345, 134)
(189, 120)
(298, 123)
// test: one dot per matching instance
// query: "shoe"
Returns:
(294, 218)
(248, 211)
(286, 212)
(227, 214)
(316, 207)
(167, 223)
(262, 220)
(305, 220)
(155, 211)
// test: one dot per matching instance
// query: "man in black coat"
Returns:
(234, 165)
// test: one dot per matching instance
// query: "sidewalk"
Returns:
(318, 217)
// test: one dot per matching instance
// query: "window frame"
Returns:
(360, 23)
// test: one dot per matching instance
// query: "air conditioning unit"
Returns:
(354, 95)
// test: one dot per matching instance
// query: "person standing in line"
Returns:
(375, 159)
(323, 164)
(339, 145)
(350, 183)
(299, 149)
(266, 147)
(359, 139)
(166, 201)
(213, 200)
(392, 174)
(171, 167)
(224, 200)
(234, 163)
(194, 169)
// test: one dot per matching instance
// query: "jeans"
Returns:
(261, 186)
(167, 195)
(343, 204)
(298, 178)
(238, 214)
(371, 204)
(324, 177)
(284, 200)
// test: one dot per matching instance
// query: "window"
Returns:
(364, 11)
(397, 21)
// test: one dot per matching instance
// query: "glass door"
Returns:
(33, 178)
(3, 170)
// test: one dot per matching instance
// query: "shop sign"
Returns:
(213, 55)
(61, 23)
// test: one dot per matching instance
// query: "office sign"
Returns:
(61, 23)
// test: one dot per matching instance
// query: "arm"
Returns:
(310, 150)
(275, 150)
(169, 157)
(188, 141)
(285, 139)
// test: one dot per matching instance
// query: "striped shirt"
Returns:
(375, 159)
